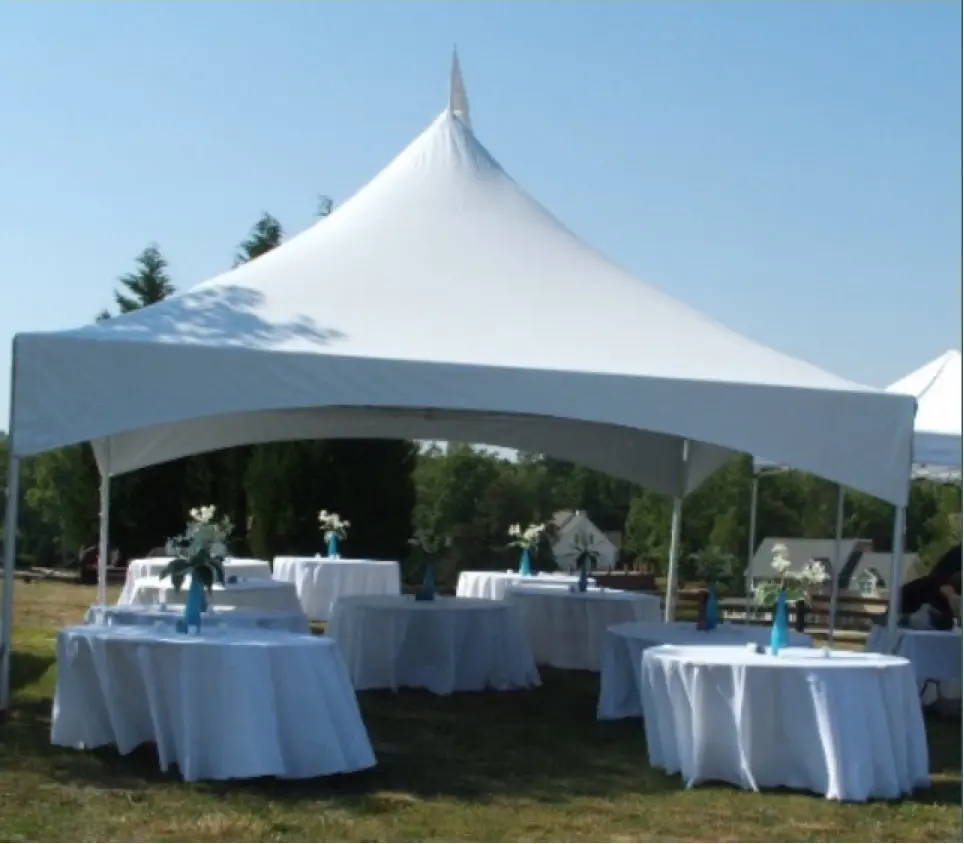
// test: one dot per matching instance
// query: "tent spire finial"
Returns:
(458, 101)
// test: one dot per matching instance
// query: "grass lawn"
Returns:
(525, 766)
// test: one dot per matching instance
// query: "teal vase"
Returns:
(525, 568)
(427, 592)
(195, 605)
(332, 546)
(780, 632)
(583, 579)
(712, 609)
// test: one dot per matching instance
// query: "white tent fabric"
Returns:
(937, 427)
(442, 302)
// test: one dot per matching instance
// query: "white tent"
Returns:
(442, 302)
(936, 450)
(937, 427)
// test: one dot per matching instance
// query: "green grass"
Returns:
(525, 766)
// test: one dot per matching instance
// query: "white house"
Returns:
(573, 530)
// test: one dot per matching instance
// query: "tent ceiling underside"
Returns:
(73, 390)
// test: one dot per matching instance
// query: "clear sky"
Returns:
(793, 169)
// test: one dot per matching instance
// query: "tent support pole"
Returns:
(9, 564)
(672, 573)
(669, 612)
(896, 566)
(103, 546)
(835, 576)
(751, 545)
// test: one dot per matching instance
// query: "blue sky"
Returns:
(793, 169)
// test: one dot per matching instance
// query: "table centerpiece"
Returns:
(526, 541)
(199, 553)
(789, 585)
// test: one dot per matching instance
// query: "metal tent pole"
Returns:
(751, 546)
(835, 577)
(896, 566)
(9, 563)
(672, 574)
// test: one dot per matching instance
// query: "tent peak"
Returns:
(458, 100)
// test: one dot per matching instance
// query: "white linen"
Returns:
(623, 646)
(492, 584)
(321, 581)
(446, 645)
(228, 703)
(936, 656)
(848, 726)
(291, 622)
(153, 566)
(272, 595)
(566, 629)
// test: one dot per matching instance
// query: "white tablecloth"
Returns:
(492, 584)
(271, 595)
(623, 646)
(566, 629)
(290, 622)
(230, 703)
(848, 726)
(446, 645)
(153, 566)
(935, 654)
(321, 581)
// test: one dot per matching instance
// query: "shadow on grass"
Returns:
(27, 668)
(543, 746)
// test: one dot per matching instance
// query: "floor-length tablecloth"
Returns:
(566, 629)
(622, 651)
(321, 581)
(446, 645)
(492, 584)
(935, 654)
(848, 726)
(230, 703)
(149, 567)
(259, 594)
(290, 622)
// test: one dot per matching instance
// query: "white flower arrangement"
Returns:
(333, 525)
(200, 551)
(527, 539)
(797, 585)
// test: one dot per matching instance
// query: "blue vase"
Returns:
(780, 632)
(195, 605)
(712, 609)
(583, 579)
(427, 591)
(525, 569)
(332, 546)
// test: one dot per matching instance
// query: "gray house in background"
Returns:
(862, 569)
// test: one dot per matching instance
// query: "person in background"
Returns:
(939, 590)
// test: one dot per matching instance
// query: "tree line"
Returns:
(391, 489)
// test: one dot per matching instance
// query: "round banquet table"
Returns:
(153, 566)
(492, 584)
(260, 594)
(848, 725)
(446, 645)
(215, 616)
(321, 581)
(936, 656)
(224, 704)
(566, 629)
(622, 656)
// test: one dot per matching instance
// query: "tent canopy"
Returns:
(937, 428)
(442, 302)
